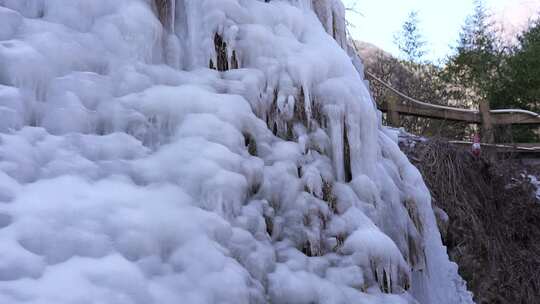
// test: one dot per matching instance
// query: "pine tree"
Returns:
(410, 41)
(523, 75)
(475, 65)
(519, 86)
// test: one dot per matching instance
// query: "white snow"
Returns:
(536, 184)
(130, 172)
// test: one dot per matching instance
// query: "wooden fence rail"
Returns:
(400, 104)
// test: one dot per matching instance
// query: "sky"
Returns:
(440, 20)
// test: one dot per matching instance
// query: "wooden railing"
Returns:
(399, 103)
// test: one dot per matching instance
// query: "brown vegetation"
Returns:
(493, 232)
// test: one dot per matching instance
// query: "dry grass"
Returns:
(494, 229)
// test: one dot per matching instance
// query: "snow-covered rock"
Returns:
(202, 151)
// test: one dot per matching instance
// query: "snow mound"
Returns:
(202, 151)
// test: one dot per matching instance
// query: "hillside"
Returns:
(370, 53)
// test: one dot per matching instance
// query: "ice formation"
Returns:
(202, 151)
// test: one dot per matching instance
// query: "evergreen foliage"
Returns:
(410, 41)
(478, 57)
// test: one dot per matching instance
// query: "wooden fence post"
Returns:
(488, 135)
(392, 115)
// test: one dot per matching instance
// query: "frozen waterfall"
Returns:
(203, 151)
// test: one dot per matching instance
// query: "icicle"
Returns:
(173, 51)
(234, 61)
(300, 114)
(332, 16)
(412, 209)
(335, 122)
(307, 104)
(317, 113)
(346, 154)
(166, 10)
(416, 254)
(173, 15)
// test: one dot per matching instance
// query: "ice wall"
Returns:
(202, 151)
